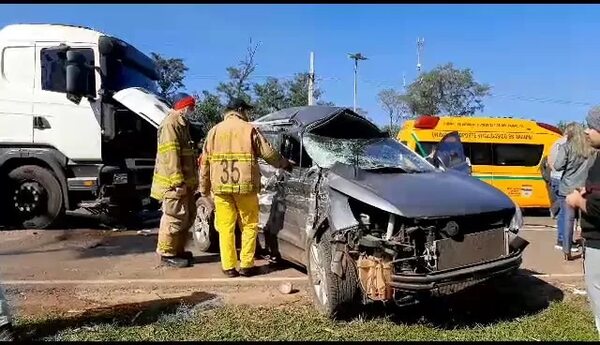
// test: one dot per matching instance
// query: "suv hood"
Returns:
(420, 195)
(147, 105)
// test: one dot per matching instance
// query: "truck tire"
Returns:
(333, 296)
(6, 333)
(34, 199)
(204, 233)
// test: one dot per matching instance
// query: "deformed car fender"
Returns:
(333, 211)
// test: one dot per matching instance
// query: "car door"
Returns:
(450, 154)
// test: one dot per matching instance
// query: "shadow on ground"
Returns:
(138, 314)
(83, 221)
(497, 300)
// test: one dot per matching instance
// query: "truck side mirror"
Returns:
(77, 76)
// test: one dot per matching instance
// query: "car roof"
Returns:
(302, 116)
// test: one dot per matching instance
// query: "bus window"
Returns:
(479, 153)
(517, 154)
(427, 147)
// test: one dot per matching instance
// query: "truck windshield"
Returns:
(368, 154)
(124, 77)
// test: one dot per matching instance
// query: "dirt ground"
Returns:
(77, 271)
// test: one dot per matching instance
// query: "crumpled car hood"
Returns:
(419, 195)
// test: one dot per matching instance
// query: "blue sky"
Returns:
(541, 60)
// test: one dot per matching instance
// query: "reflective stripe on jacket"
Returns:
(175, 157)
(229, 158)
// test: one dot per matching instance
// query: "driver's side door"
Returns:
(297, 193)
(284, 200)
(450, 154)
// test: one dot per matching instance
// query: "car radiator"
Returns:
(473, 248)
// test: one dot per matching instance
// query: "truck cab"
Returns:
(78, 117)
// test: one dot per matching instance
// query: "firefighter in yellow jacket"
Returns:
(175, 182)
(229, 169)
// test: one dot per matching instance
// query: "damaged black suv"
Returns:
(372, 220)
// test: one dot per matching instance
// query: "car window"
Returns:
(273, 139)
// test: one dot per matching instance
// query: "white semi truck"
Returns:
(78, 117)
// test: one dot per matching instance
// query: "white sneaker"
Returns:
(556, 246)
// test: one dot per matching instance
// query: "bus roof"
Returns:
(487, 124)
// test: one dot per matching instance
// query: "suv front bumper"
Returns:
(463, 275)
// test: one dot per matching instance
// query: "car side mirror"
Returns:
(77, 77)
(290, 149)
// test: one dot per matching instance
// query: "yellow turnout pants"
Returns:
(177, 218)
(227, 209)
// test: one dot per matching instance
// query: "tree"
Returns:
(393, 130)
(448, 90)
(297, 90)
(208, 110)
(274, 94)
(238, 85)
(270, 96)
(171, 72)
(394, 105)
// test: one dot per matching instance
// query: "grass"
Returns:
(569, 319)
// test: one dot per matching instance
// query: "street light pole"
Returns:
(356, 57)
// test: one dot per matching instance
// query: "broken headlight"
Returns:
(516, 222)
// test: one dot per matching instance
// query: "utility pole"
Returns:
(420, 44)
(404, 81)
(311, 80)
(356, 57)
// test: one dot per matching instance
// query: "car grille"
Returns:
(469, 249)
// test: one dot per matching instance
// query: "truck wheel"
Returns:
(205, 235)
(34, 199)
(333, 296)
(6, 333)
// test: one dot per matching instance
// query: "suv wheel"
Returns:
(333, 296)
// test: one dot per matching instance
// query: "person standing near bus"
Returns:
(573, 158)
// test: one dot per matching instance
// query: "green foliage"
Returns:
(447, 90)
(275, 95)
(238, 85)
(171, 72)
(208, 110)
(267, 97)
(396, 108)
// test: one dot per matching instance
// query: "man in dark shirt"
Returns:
(588, 201)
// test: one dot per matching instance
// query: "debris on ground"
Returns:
(286, 288)
(579, 292)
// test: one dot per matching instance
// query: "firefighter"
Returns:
(175, 182)
(229, 169)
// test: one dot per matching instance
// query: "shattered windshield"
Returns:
(368, 154)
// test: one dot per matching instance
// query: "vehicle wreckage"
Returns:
(370, 219)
